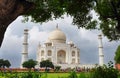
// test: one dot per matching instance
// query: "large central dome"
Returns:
(57, 36)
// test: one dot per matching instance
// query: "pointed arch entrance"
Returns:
(61, 57)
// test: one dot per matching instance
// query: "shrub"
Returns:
(73, 75)
(105, 71)
(82, 75)
(57, 68)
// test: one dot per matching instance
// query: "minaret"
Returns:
(25, 47)
(101, 56)
(57, 26)
(38, 51)
(38, 56)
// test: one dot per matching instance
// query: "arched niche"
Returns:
(61, 57)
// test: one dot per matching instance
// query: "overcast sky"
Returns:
(85, 40)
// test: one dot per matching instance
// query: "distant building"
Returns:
(25, 48)
(60, 52)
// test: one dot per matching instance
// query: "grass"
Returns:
(57, 75)
(43, 75)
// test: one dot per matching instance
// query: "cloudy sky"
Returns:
(86, 40)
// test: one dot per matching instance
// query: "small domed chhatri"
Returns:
(57, 36)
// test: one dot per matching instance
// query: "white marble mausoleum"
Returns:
(58, 51)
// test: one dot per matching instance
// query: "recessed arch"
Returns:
(73, 53)
(49, 53)
(61, 57)
(42, 53)
(73, 61)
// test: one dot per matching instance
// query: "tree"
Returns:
(79, 10)
(1, 62)
(29, 64)
(73, 74)
(117, 55)
(43, 10)
(57, 68)
(109, 15)
(9, 11)
(4, 63)
(46, 64)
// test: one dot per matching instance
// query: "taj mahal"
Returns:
(60, 52)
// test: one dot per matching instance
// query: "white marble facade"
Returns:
(58, 51)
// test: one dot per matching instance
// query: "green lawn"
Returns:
(43, 75)
(56, 75)
(62, 75)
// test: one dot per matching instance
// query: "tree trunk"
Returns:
(9, 11)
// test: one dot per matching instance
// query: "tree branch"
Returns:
(117, 16)
(9, 11)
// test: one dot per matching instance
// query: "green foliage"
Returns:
(4, 63)
(80, 10)
(83, 75)
(117, 55)
(73, 75)
(31, 75)
(105, 71)
(7, 63)
(57, 68)
(47, 64)
(1, 62)
(29, 64)
(46, 10)
(55, 75)
(109, 12)
(21, 75)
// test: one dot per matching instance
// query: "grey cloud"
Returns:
(11, 49)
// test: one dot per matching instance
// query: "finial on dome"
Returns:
(57, 26)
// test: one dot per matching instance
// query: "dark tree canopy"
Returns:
(29, 64)
(4, 63)
(46, 64)
(109, 15)
(45, 10)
